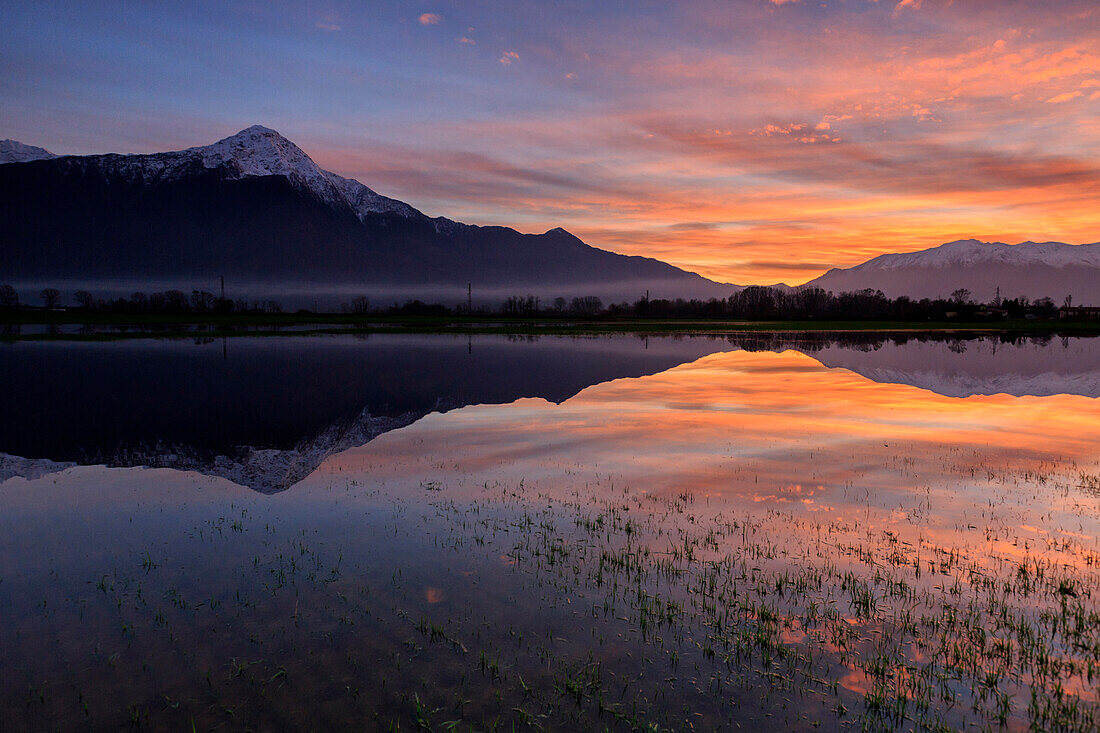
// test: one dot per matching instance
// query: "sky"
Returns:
(752, 141)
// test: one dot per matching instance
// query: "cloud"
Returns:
(430, 19)
(328, 23)
(797, 131)
(468, 41)
(1059, 99)
(788, 265)
(928, 126)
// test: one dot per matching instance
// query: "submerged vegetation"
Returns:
(517, 608)
(938, 571)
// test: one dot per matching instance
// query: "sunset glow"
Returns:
(754, 142)
(763, 428)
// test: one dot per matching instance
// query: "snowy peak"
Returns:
(972, 253)
(988, 270)
(254, 152)
(261, 151)
(13, 151)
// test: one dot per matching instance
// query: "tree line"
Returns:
(165, 302)
(753, 303)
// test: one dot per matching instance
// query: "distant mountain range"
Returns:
(255, 208)
(1031, 269)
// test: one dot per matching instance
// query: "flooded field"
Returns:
(442, 533)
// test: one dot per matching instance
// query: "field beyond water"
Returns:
(553, 533)
(78, 325)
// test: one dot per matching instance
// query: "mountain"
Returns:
(271, 409)
(257, 209)
(974, 367)
(1031, 269)
(13, 151)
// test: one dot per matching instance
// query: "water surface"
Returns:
(562, 533)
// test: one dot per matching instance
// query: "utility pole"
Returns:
(223, 287)
(469, 299)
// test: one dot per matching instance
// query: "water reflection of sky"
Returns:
(767, 429)
(797, 471)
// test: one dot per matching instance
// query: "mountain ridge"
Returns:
(255, 207)
(400, 245)
(986, 269)
(13, 151)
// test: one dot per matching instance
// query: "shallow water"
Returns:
(668, 533)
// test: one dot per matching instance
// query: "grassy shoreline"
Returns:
(109, 326)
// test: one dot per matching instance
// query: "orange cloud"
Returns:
(1067, 96)
(430, 19)
(806, 144)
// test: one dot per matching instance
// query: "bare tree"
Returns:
(175, 301)
(589, 305)
(961, 296)
(84, 299)
(9, 298)
(51, 297)
(202, 301)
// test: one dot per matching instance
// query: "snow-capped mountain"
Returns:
(257, 209)
(972, 252)
(258, 151)
(254, 152)
(13, 151)
(1029, 269)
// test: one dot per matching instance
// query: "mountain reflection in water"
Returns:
(715, 534)
(265, 412)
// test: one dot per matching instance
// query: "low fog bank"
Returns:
(333, 296)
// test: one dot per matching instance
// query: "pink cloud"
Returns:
(508, 57)
(430, 19)
(1061, 98)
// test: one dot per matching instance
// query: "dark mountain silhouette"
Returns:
(255, 208)
(265, 412)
